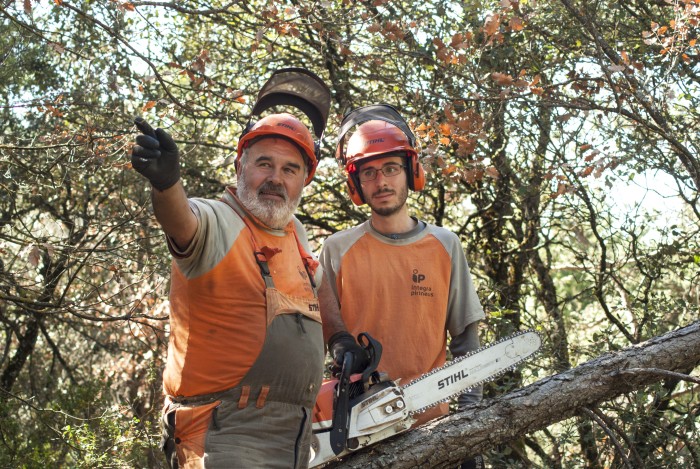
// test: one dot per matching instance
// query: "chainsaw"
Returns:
(359, 410)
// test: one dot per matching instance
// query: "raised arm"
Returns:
(157, 158)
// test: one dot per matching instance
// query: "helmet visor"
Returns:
(300, 88)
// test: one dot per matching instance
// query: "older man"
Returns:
(245, 356)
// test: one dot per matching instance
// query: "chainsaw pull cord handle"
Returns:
(339, 431)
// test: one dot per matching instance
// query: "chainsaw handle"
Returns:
(339, 432)
(374, 350)
(341, 408)
(346, 370)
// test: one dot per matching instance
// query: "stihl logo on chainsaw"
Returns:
(460, 375)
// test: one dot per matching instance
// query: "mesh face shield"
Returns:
(375, 139)
(301, 89)
(381, 112)
(298, 88)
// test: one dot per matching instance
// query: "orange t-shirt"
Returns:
(407, 292)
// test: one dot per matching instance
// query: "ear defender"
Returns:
(355, 195)
(416, 177)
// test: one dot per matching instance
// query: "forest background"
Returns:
(560, 140)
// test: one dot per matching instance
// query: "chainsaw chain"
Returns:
(464, 357)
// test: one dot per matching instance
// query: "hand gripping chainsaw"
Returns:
(355, 411)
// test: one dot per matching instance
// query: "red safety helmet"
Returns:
(381, 131)
(303, 90)
(285, 126)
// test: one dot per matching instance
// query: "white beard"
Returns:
(274, 214)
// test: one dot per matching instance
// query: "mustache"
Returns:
(272, 188)
(383, 191)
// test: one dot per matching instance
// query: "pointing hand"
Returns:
(155, 156)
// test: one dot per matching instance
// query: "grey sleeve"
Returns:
(217, 229)
(463, 306)
(329, 268)
(461, 345)
(464, 310)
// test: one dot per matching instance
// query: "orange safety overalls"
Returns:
(264, 421)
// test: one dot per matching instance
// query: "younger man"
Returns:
(404, 281)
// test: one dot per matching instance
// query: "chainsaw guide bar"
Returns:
(459, 375)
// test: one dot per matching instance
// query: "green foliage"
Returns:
(81, 428)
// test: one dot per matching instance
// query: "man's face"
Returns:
(271, 180)
(385, 195)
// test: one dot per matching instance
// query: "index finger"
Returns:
(144, 127)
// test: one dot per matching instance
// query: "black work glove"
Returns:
(477, 462)
(155, 155)
(339, 344)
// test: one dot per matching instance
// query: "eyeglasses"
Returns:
(389, 170)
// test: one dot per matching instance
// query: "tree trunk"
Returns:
(445, 442)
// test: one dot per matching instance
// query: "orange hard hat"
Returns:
(375, 138)
(284, 126)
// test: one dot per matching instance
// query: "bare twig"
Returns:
(657, 371)
(611, 435)
(611, 423)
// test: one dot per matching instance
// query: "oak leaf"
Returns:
(502, 79)
(516, 23)
(34, 256)
(492, 24)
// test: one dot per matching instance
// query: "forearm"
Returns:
(330, 310)
(173, 212)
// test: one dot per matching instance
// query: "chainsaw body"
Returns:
(375, 414)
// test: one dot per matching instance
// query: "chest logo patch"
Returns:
(417, 289)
